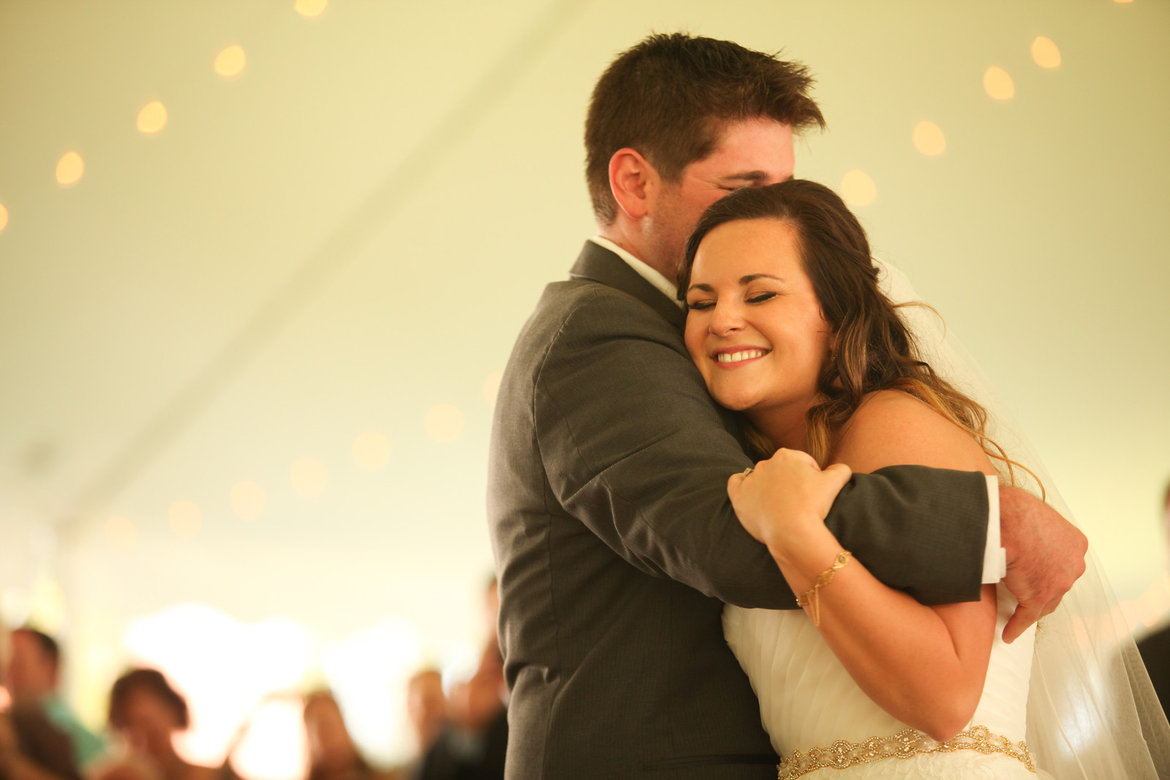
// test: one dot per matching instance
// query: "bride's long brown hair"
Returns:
(873, 348)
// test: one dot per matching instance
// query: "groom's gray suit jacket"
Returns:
(616, 546)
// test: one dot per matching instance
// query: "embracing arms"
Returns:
(925, 665)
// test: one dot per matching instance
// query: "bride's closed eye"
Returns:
(761, 297)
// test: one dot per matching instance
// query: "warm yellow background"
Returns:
(335, 247)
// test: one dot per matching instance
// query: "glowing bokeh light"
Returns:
(3, 217)
(311, 8)
(491, 387)
(70, 169)
(248, 500)
(230, 61)
(309, 477)
(152, 118)
(186, 519)
(929, 139)
(368, 672)
(1123, 2)
(998, 84)
(858, 189)
(274, 746)
(1045, 53)
(444, 423)
(121, 532)
(371, 451)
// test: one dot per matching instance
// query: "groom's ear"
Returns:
(633, 182)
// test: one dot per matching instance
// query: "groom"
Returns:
(615, 543)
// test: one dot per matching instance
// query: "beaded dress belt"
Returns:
(905, 744)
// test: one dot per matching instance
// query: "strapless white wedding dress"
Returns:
(824, 727)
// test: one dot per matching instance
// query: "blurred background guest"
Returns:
(332, 752)
(32, 748)
(145, 713)
(426, 711)
(473, 739)
(32, 675)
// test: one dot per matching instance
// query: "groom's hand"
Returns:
(1045, 556)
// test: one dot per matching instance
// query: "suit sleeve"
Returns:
(635, 449)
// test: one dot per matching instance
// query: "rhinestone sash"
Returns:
(906, 743)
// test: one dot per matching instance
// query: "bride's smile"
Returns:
(736, 357)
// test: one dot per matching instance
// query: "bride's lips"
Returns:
(733, 357)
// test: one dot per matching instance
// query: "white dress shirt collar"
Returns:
(652, 275)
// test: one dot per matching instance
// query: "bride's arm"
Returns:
(924, 665)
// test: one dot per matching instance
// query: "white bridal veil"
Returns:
(1092, 712)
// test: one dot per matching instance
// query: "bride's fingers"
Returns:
(733, 484)
(840, 473)
(799, 456)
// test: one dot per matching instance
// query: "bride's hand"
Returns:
(784, 500)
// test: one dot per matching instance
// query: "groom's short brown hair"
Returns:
(670, 96)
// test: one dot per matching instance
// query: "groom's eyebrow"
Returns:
(747, 178)
(754, 177)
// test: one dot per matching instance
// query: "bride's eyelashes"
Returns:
(705, 304)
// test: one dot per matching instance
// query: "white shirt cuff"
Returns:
(994, 556)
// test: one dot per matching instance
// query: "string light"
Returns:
(230, 61)
(70, 169)
(929, 139)
(998, 84)
(152, 118)
(311, 8)
(858, 188)
(1045, 53)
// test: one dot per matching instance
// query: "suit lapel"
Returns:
(600, 265)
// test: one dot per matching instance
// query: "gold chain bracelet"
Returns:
(811, 597)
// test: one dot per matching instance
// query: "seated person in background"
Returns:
(332, 752)
(473, 740)
(426, 709)
(32, 675)
(32, 748)
(145, 713)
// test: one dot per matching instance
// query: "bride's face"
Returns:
(754, 324)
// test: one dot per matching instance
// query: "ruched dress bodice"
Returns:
(809, 702)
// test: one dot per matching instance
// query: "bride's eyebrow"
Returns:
(743, 280)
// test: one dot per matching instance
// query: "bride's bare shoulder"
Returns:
(893, 428)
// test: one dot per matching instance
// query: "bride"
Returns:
(787, 324)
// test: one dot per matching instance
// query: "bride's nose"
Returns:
(725, 318)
